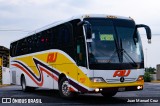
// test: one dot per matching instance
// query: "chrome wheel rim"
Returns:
(65, 88)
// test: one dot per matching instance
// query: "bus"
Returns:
(92, 53)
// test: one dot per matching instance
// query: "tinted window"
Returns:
(58, 37)
(13, 49)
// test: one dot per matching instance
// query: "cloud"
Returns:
(29, 15)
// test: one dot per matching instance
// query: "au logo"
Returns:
(51, 57)
(121, 73)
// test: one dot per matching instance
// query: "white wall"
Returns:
(6, 79)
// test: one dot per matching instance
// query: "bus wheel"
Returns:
(23, 84)
(24, 87)
(64, 88)
(109, 94)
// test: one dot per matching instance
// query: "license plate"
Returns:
(121, 89)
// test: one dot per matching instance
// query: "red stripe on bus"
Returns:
(23, 69)
(71, 89)
(50, 74)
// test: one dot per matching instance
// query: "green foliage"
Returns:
(151, 70)
(147, 77)
(148, 71)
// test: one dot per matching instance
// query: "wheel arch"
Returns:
(62, 75)
(22, 75)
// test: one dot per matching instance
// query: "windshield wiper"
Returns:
(134, 63)
(118, 45)
(121, 51)
(126, 54)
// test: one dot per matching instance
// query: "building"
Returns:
(4, 59)
(158, 72)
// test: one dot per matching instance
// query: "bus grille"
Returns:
(118, 80)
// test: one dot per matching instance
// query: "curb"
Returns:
(155, 81)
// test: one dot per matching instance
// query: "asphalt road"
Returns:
(51, 98)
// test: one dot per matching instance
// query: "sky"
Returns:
(19, 17)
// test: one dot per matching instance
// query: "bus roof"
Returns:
(81, 17)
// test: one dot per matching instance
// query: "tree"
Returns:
(148, 71)
(151, 70)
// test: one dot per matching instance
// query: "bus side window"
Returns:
(42, 41)
(60, 34)
(66, 37)
(25, 46)
(65, 34)
(34, 42)
(68, 34)
(13, 49)
(49, 37)
(81, 52)
(19, 48)
(38, 42)
(29, 49)
(46, 39)
(78, 43)
(53, 39)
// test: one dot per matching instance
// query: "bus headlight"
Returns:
(97, 79)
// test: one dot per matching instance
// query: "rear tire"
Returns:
(23, 84)
(64, 89)
(24, 87)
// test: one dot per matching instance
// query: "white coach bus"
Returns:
(85, 54)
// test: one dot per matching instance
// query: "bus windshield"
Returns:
(115, 45)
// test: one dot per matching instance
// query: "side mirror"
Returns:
(88, 29)
(148, 31)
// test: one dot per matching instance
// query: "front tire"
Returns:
(64, 88)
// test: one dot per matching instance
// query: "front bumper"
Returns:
(119, 87)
